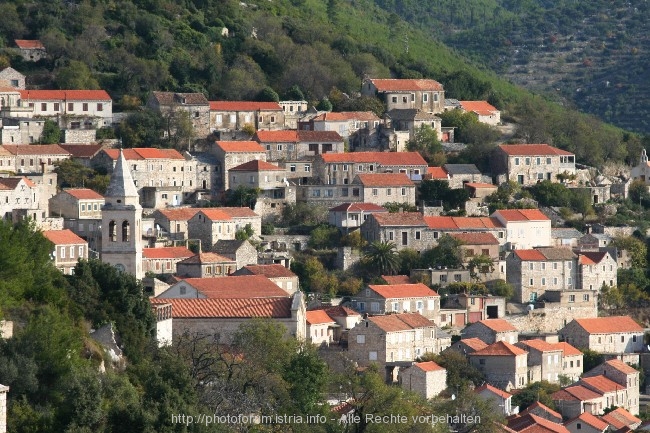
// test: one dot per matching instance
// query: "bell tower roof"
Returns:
(121, 183)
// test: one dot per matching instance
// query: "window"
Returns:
(585, 298)
(516, 161)
(391, 236)
(372, 356)
(43, 106)
(57, 106)
(361, 339)
(394, 99)
(218, 119)
(548, 161)
(83, 207)
(425, 97)
(569, 281)
(555, 265)
(100, 106)
(530, 266)
(389, 191)
(307, 168)
(70, 106)
(374, 192)
(126, 231)
(404, 99)
(405, 238)
(62, 255)
(481, 361)
(527, 161)
(355, 192)
(417, 235)
(403, 191)
(280, 147)
(315, 193)
(345, 167)
(272, 119)
(360, 168)
(531, 282)
(568, 265)
(555, 281)
(543, 266)
(538, 161)
(543, 281)
(344, 192)
(84, 106)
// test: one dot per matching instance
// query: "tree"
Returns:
(71, 173)
(242, 196)
(501, 288)
(324, 105)
(432, 190)
(460, 373)
(141, 129)
(426, 142)
(75, 75)
(637, 250)
(244, 233)
(324, 236)
(293, 94)
(537, 391)
(51, 132)
(549, 193)
(591, 359)
(408, 259)
(307, 375)
(382, 257)
(446, 253)
(267, 94)
(480, 264)
(394, 207)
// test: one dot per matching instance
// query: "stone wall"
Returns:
(347, 257)
(71, 136)
(549, 319)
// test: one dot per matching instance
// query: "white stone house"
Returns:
(342, 168)
(528, 164)
(491, 331)
(195, 105)
(345, 123)
(597, 269)
(426, 94)
(163, 260)
(350, 216)
(485, 111)
(18, 193)
(231, 116)
(73, 109)
(525, 228)
(68, 249)
(280, 275)
(320, 327)
(298, 145)
(406, 230)
(615, 334)
(233, 153)
(31, 50)
(9, 77)
(210, 225)
(398, 298)
(624, 375)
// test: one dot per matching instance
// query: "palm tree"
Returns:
(382, 256)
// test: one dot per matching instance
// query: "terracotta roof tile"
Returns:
(285, 136)
(522, 215)
(243, 286)
(532, 150)
(576, 392)
(539, 345)
(396, 279)
(567, 349)
(477, 185)
(606, 325)
(318, 317)
(405, 85)
(592, 257)
(531, 423)
(542, 407)
(498, 325)
(600, 384)
(383, 158)
(619, 365)
(228, 308)
(529, 255)
(240, 146)
(181, 214)
(493, 390)
(338, 311)
(166, 253)
(202, 258)
(403, 291)
(11, 183)
(437, 173)
(400, 322)
(475, 343)
(385, 179)
(414, 219)
(65, 95)
(269, 271)
(82, 150)
(319, 136)
(29, 44)
(84, 194)
(343, 116)
(476, 238)
(480, 106)
(35, 149)
(500, 348)
(619, 418)
(358, 207)
(244, 106)
(461, 223)
(256, 165)
(215, 214)
(169, 98)
(63, 237)
(590, 420)
(140, 153)
(238, 212)
(428, 366)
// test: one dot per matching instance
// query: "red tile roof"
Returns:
(202, 258)
(477, 106)
(65, 95)
(269, 271)
(474, 343)
(383, 158)
(400, 219)
(607, 325)
(539, 345)
(244, 286)
(461, 223)
(405, 85)
(228, 308)
(396, 279)
(428, 366)
(35, 149)
(542, 407)
(256, 165)
(358, 207)
(285, 136)
(29, 44)
(619, 365)
(498, 325)
(244, 106)
(532, 150)
(181, 214)
(567, 349)
(238, 212)
(522, 215)
(403, 291)
(84, 194)
(240, 146)
(400, 322)
(500, 348)
(11, 183)
(138, 153)
(437, 173)
(346, 115)
(530, 255)
(600, 384)
(493, 390)
(575, 392)
(592, 257)
(590, 420)
(476, 238)
(338, 311)
(318, 317)
(215, 214)
(166, 253)
(619, 418)
(82, 150)
(319, 136)
(385, 179)
(63, 237)
(530, 423)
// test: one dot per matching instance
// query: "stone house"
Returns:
(280, 275)
(528, 164)
(229, 287)
(586, 423)
(209, 225)
(443, 277)
(468, 345)
(298, 145)
(565, 237)
(485, 111)
(242, 217)
(625, 376)
(611, 392)
(21, 130)
(478, 307)
(68, 249)
(441, 225)
(427, 379)
(500, 400)
(525, 228)
(18, 193)
(405, 229)
(486, 245)
(576, 399)
(616, 334)
(460, 174)
(31, 50)
(349, 216)
(398, 298)
(544, 360)
(172, 223)
(491, 331)
(424, 94)
(542, 411)
(641, 172)
(572, 360)
(532, 423)
(224, 315)
(411, 120)
(243, 252)
(77, 203)
(82, 153)
(233, 153)
(195, 105)
(479, 191)
(163, 260)
(345, 123)
(597, 269)
(9, 77)
(293, 111)
(320, 327)
(436, 173)
(232, 116)
(342, 168)
(503, 364)
(532, 272)
(394, 339)
(622, 420)
(31, 158)
(205, 265)
(73, 109)
(380, 188)
(344, 317)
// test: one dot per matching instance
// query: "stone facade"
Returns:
(596, 270)
(605, 334)
(209, 226)
(401, 298)
(72, 136)
(68, 249)
(406, 230)
(18, 193)
(544, 361)
(427, 379)
(623, 375)
(297, 145)
(206, 265)
(426, 95)
(491, 331)
(528, 164)
(503, 365)
(194, 104)
(232, 116)
(242, 252)
(19, 130)
(9, 77)
(77, 203)
(74, 109)
(230, 154)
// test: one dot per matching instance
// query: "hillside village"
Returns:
(517, 295)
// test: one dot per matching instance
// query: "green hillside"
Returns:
(232, 50)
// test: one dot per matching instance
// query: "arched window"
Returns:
(126, 231)
(112, 231)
